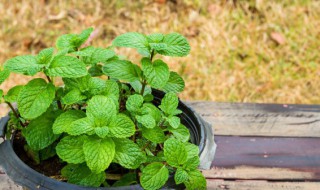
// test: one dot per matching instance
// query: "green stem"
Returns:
(144, 82)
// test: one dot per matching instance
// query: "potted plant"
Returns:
(112, 123)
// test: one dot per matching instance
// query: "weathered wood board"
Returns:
(249, 119)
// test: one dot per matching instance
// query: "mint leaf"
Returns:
(85, 52)
(95, 71)
(80, 83)
(180, 176)
(181, 133)
(67, 66)
(100, 110)
(132, 40)
(45, 56)
(96, 86)
(101, 131)
(39, 132)
(4, 74)
(122, 70)
(127, 179)
(174, 121)
(121, 126)
(192, 163)
(63, 122)
(35, 98)
(146, 120)
(13, 93)
(99, 153)
(158, 46)
(112, 91)
(84, 35)
(177, 45)
(156, 73)
(154, 176)
(196, 181)
(174, 84)
(192, 150)
(128, 154)
(25, 64)
(72, 97)
(137, 86)
(169, 103)
(70, 150)
(175, 152)
(1, 93)
(101, 55)
(153, 111)
(80, 174)
(81, 126)
(134, 103)
(155, 38)
(67, 42)
(154, 135)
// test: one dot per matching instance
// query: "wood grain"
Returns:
(266, 158)
(260, 185)
(250, 119)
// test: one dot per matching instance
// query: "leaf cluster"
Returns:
(103, 115)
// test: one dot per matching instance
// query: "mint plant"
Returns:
(103, 117)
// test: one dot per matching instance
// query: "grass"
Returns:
(256, 51)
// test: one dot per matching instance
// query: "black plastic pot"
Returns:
(200, 131)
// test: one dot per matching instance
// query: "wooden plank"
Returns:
(250, 119)
(266, 158)
(261, 185)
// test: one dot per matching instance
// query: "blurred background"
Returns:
(265, 51)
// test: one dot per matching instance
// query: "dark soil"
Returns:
(50, 167)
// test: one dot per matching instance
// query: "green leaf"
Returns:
(25, 64)
(39, 132)
(63, 122)
(112, 91)
(96, 86)
(177, 45)
(153, 111)
(154, 176)
(128, 154)
(174, 121)
(192, 163)
(13, 93)
(101, 55)
(132, 40)
(67, 66)
(192, 150)
(175, 152)
(174, 84)
(196, 181)
(80, 83)
(1, 93)
(95, 71)
(122, 70)
(181, 133)
(169, 103)
(80, 174)
(155, 38)
(45, 56)
(121, 126)
(72, 97)
(35, 98)
(101, 131)
(158, 46)
(156, 73)
(146, 120)
(99, 153)
(137, 86)
(4, 74)
(180, 176)
(67, 41)
(127, 179)
(85, 52)
(100, 110)
(70, 150)
(154, 135)
(84, 35)
(81, 126)
(134, 103)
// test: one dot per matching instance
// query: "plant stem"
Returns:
(144, 82)
(49, 80)
(15, 113)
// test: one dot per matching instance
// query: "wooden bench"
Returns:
(260, 146)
